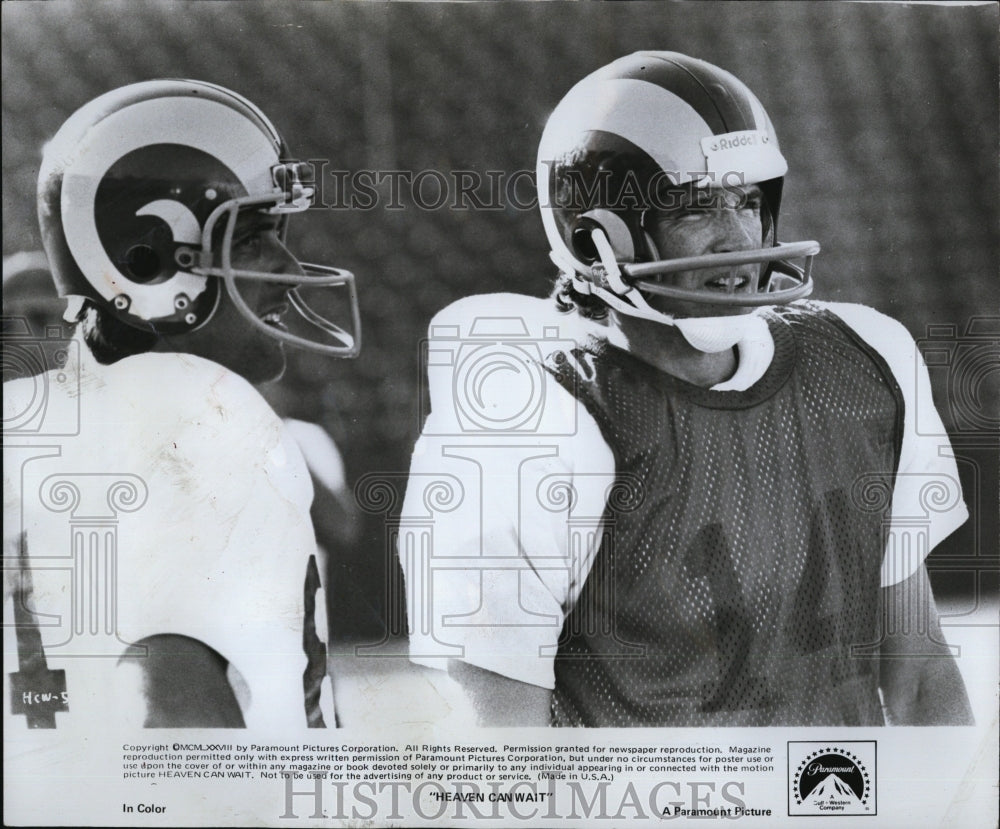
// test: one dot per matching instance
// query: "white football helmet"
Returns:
(138, 196)
(647, 121)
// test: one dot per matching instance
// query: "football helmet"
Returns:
(619, 141)
(138, 197)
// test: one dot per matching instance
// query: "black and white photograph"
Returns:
(500, 413)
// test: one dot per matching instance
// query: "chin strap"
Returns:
(756, 350)
(74, 305)
(622, 297)
(715, 334)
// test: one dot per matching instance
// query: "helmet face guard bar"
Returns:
(314, 276)
(318, 276)
(792, 283)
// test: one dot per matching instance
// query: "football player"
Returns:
(699, 510)
(160, 562)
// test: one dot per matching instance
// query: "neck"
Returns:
(664, 348)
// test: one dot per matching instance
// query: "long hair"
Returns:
(109, 339)
(568, 299)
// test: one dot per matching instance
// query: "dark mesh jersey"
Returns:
(732, 584)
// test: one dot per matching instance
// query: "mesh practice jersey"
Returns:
(739, 537)
(157, 495)
(731, 586)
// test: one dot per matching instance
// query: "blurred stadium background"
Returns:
(887, 113)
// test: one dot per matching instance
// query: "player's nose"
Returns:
(734, 230)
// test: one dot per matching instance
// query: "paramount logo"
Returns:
(831, 778)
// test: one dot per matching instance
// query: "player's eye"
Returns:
(249, 242)
(691, 214)
(255, 238)
(682, 213)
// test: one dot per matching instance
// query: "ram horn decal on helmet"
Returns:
(138, 193)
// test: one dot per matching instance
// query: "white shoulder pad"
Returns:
(485, 312)
(927, 501)
(485, 358)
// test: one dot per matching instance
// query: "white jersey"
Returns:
(157, 495)
(510, 479)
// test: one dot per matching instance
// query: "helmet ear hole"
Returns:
(583, 243)
(615, 230)
(142, 263)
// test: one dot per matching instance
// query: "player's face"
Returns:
(692, 221)
(228, 338)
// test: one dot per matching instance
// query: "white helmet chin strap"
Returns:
(756, 350)
(708, 334)
(714, 334)
(74, 304)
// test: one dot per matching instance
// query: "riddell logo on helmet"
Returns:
(733, 141)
